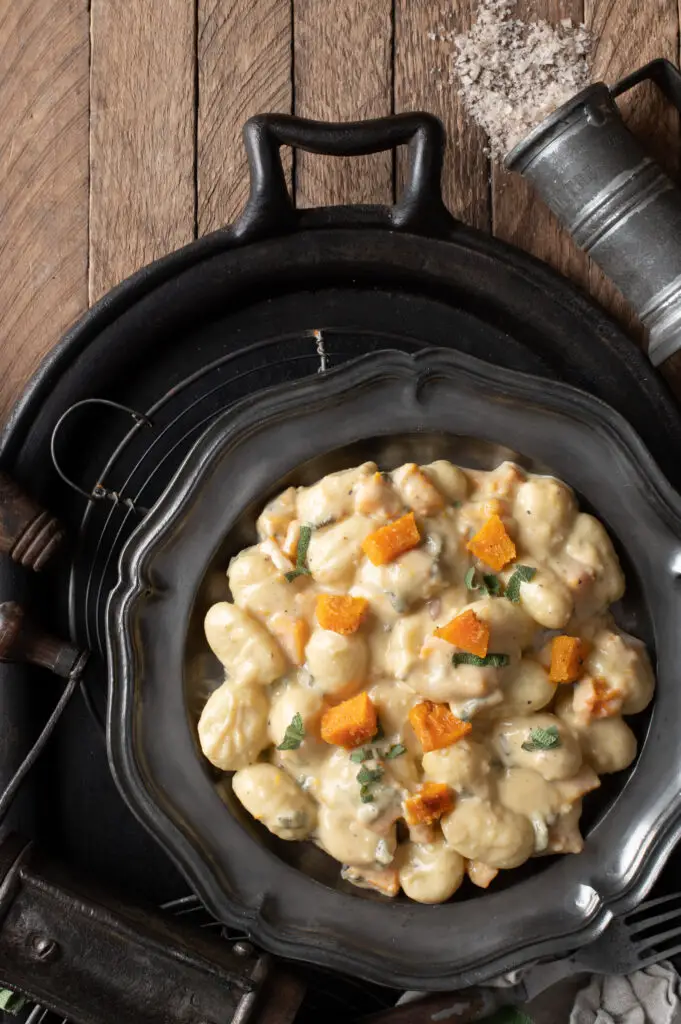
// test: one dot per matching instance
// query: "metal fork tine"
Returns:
(655, 958)
(649, 904)
(653, 922)
(657, 940)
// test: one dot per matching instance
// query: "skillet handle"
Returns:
(661, 72)
(269, 210)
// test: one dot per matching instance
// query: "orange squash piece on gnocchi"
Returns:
(492, 544)
(389, 542)
(468, 632)
(436, 727)
(568, 654)
(432, 801)
(351, 723)
(341, 613)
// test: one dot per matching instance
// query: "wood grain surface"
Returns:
(44, 59)
(422, 71)
(342, 71)
(121, 131)
(244, 67)
(142, 135)
(518, 216)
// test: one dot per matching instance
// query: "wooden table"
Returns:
(120, 131)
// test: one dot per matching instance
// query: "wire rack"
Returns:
(136, 472)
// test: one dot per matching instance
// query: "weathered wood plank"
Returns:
(422, 83)
(44, 58)
(343, 72)
(142, 193)
(244, 61)
(518, 215)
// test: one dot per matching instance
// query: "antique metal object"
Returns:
(21, 640)
(98, 959)
(28, 534)
(614, 199)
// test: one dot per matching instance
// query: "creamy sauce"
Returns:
(512, 796)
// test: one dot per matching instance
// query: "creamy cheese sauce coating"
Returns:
(449, 720)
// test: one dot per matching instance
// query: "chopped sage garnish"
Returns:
(366, 778)
(363, 754)
(395, 751)
(492, 584)
(490, 660)
(543, 739)
(521, 574)
(488, 584)
(469, 579)
(294, 735)
(301, 568)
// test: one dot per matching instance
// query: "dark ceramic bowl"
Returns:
(389, 407)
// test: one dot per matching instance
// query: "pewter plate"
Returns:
(388, 406)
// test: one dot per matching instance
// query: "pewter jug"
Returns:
(614, 199)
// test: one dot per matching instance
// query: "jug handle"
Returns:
(665, 75)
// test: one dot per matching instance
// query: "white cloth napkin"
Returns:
(652, 996)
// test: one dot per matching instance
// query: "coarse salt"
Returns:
(511, 74)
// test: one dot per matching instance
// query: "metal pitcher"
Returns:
(615, 200)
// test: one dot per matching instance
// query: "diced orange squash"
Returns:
(432, 801)
(568, 654)
(480, 874)
(383, 880)
(435, 725)
(341, 613)
(292, 634)
(388, 542)
(492, 544)
(467, 632)
(605, 701)
(351, 723)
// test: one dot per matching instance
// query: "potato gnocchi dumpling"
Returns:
(233, 726)
(422, 674)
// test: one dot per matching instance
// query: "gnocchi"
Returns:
(445, 685)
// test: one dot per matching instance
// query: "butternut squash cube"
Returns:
(436, 727)
(392, 540)
(492, 544)
(467, 632)
(432, 801)
(341, 613)
(351, 723)
(568, 654)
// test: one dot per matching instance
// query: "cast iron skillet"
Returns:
(388, 406)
